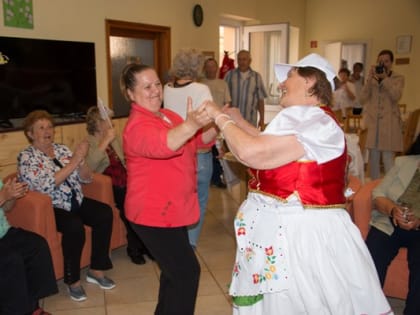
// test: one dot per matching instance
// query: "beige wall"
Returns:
(378, 21)
(283, 11)
(84, 20)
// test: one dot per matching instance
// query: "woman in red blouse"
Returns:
(161, 201)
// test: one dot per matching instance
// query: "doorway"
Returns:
(129, 42)
(268, 45)
(346, 54)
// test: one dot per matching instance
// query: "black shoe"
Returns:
(136, 256)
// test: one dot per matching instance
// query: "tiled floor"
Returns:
(137, 286)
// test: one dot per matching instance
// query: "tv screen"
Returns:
(57, 76)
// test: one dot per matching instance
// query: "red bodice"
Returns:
(317, 185)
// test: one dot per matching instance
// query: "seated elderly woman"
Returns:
(26, 269)
(106, 156)
(52, 169)
(395, 222)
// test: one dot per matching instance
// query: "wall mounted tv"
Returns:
(57, 76)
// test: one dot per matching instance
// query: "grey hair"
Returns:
(188, 63)
(93, 117)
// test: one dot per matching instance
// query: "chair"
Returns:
(410, 128)
(396, 282)
(339, 116)
(34, 212)
(352, 123)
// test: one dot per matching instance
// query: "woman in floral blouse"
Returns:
(54, 170)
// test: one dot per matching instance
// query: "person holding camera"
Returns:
(380, 96)
(395, 222)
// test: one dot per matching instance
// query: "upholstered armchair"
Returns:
(396, 282)
(354, 184)
(34, 212)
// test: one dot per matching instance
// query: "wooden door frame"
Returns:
(161, 36)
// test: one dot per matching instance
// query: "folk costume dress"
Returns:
(298, 251)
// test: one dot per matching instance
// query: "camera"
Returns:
(379, 69)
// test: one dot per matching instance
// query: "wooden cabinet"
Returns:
(73, 134)
(119, 125)
(11, 143)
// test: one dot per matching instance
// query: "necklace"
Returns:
(182, 83)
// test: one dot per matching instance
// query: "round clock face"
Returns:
(198, 15)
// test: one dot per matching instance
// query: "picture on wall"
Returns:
(18, 13)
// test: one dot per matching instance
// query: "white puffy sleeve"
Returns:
(322, 138)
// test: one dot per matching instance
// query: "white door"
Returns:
(345, 54)
(332, 52)
(268, 45)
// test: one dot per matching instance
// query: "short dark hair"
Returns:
(344, 70)
(358, 64)
(211, 59)
(322, 87)
(387, 52)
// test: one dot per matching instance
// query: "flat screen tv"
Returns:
(54, 75)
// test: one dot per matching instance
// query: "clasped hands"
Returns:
(79, 155)
(208, 111)
(404, 218)
(80, 152)
(14, 189)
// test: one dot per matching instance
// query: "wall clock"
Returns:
(198, 15)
